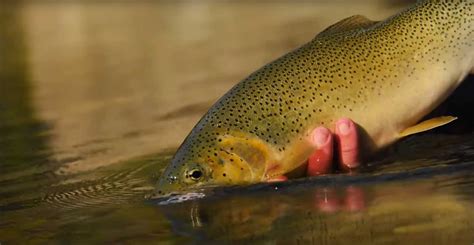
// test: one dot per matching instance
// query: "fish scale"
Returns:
(375, 73)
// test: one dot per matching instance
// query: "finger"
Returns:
(355, 199)
(278, 179)
(348, 144)
(320, 162)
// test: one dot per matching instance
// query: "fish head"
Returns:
(223, 160)
(183, 174)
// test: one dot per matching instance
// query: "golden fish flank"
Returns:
(384, 75)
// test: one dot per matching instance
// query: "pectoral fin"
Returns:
(427, 125)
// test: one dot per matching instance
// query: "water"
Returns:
(95, 98)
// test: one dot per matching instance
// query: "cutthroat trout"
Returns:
(384, 75)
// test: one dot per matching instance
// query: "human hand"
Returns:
(343, 144)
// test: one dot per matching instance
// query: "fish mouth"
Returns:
(160, 195)
(157, 195)
(165, 192)
(169, 190)
(172, 198)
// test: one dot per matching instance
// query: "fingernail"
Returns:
(344, 127)
(321, 137)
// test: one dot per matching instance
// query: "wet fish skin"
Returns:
(384, 75)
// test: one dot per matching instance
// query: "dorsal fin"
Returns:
(347, 24)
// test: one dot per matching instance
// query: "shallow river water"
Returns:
(95, 97)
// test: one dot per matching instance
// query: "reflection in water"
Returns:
(393, 215)
(23, 145)
(86, 84)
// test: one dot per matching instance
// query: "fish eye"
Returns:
(195, 174)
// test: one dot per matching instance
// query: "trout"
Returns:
(384, 75)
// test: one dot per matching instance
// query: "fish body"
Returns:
(384, 75)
